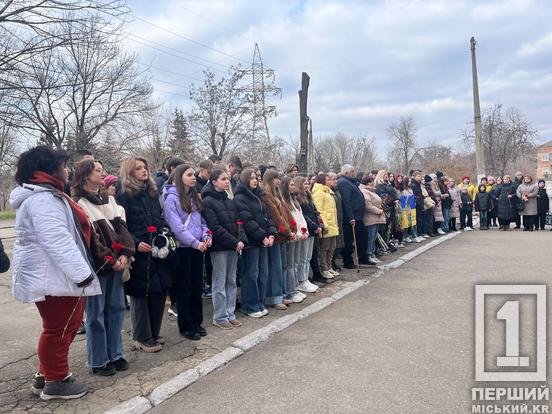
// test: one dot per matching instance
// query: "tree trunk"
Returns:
(302, 160)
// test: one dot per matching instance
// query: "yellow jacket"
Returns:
(472, 189)
(325, 204)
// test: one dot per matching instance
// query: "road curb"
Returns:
(141, 404)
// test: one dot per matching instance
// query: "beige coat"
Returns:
(530, 206)
(373, 212)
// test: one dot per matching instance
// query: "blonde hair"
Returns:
(379, 177)
(129, 183)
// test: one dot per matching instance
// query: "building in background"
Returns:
(544, 161)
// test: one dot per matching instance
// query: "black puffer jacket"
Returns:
(222, 219)
(543, 202)
(418, 195)
(483, 201)
(311, 217)
(258, 223)
(4, 259)
(147, 275)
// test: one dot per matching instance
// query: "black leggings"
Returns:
(541, 221)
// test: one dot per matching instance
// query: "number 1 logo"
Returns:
(510, 313)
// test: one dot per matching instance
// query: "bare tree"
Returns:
(331, 152)
(220, 113)
(73, 93)
(403, 148)
(507, 136)
(8, 154)
(30, 27)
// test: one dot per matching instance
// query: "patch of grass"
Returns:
(4, 215)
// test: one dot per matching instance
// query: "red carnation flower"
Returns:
(320, 221)
(110, 260)
(239, 222)
(117, 247)
(303, 229)
(281, 229)
(152, 229)
(210, 232)
(293, 223)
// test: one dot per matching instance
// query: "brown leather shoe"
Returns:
(235, 322)
(280, 306)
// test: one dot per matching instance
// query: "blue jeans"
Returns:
(446, 219)
(304, 259)
(224, 287)
(292, 257)
(254, 279)
(372, 234)
(275, 285)
(483, 219)
(105, 314)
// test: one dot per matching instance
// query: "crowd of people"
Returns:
(87, 239)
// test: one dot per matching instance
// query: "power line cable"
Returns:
(188, 39)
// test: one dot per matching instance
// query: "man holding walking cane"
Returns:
(354, 231)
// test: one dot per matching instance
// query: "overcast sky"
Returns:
(370, 62)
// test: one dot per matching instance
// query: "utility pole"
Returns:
(302, 160)
(479, 155)
(310, 151)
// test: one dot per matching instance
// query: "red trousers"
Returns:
(53, 345)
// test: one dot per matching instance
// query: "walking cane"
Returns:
(355, 246)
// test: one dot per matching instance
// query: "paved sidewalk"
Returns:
(20, 327)
(402, 344)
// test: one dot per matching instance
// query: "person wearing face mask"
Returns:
(229, 240)
(105, 313)
(149, 277)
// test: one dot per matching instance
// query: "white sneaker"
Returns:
(440, 231)
(264, 312)
(305, 287)
(426, 236)
(302, 295)
(408, 240)
(297, 298)
(468, 229)
(334, 272)
(313, 286)
(327, 275)
(256, 315)
(375, 260)
(419, 239)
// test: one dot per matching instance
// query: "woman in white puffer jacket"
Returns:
(51, 264)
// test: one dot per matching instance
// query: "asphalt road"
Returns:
(402, 344)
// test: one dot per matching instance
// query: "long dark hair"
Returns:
(287, 196)
(188, 198)
(82, 172)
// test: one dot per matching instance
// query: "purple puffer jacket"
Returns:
(195, 232)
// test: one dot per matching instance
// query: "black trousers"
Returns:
(189, 288)
(146, 314)
(518, 220)
(530, 222)
(463, 216)
(452, 224)
(314, 261)
(361, 234)
(541, 221)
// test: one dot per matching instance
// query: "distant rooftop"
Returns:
(546, 144)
